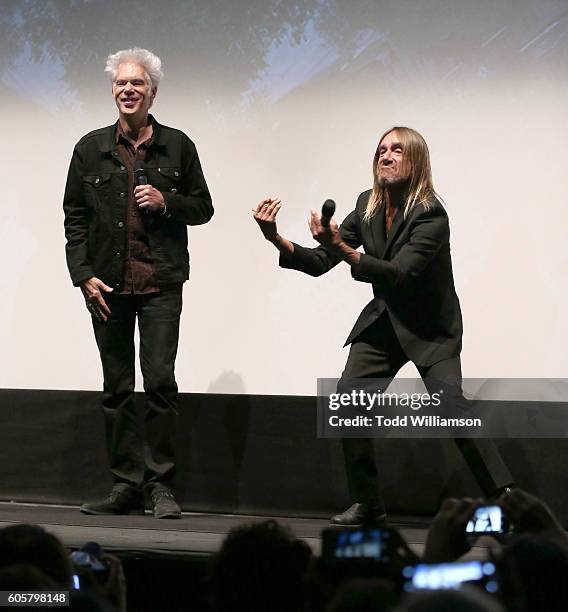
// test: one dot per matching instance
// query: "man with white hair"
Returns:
(132, 189)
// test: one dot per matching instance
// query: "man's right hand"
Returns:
(265, 215)
(529, 513)
(92, 289)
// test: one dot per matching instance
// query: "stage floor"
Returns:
(194, 534)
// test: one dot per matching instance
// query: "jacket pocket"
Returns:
(95, 186)
(173, 174)
(167, 179)
(96, 180)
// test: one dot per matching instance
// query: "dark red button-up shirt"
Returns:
(139, 270)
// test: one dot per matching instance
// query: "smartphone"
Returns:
(76, 582)
(450, 575)
(89, 566)
(362, 544)
(488, 520)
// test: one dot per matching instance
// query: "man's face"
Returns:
(131, 92)
(393, 166)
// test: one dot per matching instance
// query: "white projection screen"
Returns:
(289, 99)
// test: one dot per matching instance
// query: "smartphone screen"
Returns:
(487, 519)
(356, 544)
(450, 575)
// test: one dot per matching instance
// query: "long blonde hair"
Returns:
(421, 188)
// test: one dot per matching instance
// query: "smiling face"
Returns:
(131, 91)
(393, 166)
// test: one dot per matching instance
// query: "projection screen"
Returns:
(289, 99)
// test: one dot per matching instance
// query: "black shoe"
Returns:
(163, 503)
(123, 499)
(360, 514)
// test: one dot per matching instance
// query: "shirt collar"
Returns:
(119, 135)
(111, 140)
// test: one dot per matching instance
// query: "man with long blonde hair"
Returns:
(415, 314)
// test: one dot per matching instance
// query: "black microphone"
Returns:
(140, 173)
(327, 212)
(141, 179)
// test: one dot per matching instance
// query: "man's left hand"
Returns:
(149, 198)
(328, 237)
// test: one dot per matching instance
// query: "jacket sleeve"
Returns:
(318, 261)
(193, 205)
(429, 232)
(76, 223)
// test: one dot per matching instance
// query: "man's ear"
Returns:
(153, 95)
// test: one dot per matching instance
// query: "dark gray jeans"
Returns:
(140, 457)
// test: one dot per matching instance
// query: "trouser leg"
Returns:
(158, 322)
(375, 354)
(115, 340)
(482, 455)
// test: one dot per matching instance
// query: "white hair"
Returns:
(151, 63)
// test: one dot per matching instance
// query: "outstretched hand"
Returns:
(446, 539)
(265, 215)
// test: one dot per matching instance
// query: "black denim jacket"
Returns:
(95, 206)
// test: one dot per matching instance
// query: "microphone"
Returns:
(140, 173)
(141, 179)
(327, 212)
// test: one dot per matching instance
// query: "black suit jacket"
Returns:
(411, 274)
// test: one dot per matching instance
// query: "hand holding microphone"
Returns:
(140, 173)
(148, 198)
(327, 212)
(324, 229)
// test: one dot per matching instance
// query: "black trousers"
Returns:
(377, 354)
(140, 457)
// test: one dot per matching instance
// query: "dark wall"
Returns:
(245, 454)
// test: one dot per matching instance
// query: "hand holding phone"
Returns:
(446, 539)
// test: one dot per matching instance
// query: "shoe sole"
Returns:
(378, 520)
(133, 512)
(168, 515)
